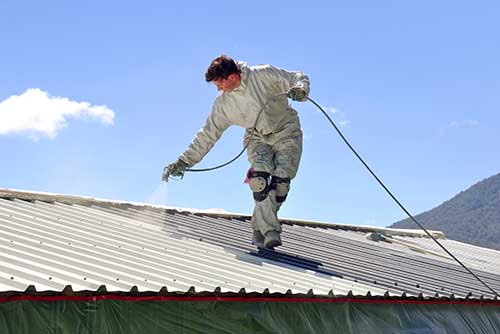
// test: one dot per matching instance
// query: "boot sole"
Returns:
(272, 244)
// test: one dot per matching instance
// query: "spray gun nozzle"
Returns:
(166, 174)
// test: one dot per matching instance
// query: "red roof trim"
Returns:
(246, 300)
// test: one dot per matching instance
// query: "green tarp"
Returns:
(218, 317)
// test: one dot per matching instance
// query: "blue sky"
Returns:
(118, 91)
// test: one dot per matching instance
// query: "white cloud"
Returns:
(331, 110)
(339, 116)
(464, 123)
(36, 113)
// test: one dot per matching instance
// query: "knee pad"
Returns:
(259, 183)
(282, 186)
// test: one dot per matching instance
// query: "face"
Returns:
(229, 84)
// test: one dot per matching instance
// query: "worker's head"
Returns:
(224, 73)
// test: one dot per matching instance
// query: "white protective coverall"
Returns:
(276, 146)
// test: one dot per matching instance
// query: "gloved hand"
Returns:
(177, 168)
(297, 93)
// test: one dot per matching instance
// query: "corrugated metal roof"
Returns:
(52, 241)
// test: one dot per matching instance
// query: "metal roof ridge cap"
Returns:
(77, 199)
(366, 228)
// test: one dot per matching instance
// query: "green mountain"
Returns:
(472, 216)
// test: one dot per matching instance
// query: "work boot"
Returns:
(258, 239)
(272, 239)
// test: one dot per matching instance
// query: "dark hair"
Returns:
(220, 68)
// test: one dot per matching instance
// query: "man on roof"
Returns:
(275, 147)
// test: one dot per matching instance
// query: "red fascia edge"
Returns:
(244, 300)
